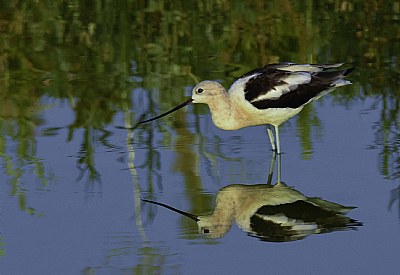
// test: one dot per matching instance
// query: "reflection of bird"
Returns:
(268, 95)
(273, 213)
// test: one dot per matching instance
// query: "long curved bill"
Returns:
(193, 217)
(187, 102)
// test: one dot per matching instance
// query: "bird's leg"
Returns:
(278, 151)
(271, 137)
(271, 168)
(279, 168)
(278, 145)
(275, 150)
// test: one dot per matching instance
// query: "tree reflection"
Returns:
(19, 120)
(89, 54)
(387, 141)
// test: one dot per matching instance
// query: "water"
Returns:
(72, 178)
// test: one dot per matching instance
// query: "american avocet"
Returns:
(268, 95)
(273, 213)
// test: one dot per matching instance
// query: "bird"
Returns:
(273, 213)
(269, 95)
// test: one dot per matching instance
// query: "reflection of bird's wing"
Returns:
(330, 206)
(296, 220)
(298, 210)
(250, 198)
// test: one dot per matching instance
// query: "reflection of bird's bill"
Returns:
(193, 217)
(187, 102)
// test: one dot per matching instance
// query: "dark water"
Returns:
(73, 75)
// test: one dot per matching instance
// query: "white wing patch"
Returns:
(308, 67)
(291, 83)
(239, 85)
(283, 220)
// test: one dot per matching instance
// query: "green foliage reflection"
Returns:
(96, 55)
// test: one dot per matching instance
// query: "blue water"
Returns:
(100, 226)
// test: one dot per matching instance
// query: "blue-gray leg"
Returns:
(271, 137)
(276, 150)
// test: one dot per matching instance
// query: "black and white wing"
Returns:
(297, 220)
(289, 85)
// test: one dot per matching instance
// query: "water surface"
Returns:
(72, 76)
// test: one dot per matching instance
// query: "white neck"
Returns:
(221, 111)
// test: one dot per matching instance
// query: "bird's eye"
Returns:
(206, 231)
(199, 90)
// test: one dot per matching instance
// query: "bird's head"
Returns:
(205, 91)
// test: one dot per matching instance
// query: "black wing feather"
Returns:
(265, 81)
(268, 77)
(327, 221)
